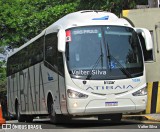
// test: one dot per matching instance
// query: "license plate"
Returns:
(111, 103)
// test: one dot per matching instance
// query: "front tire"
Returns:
(113, 117)
(53, 116)
(56, 118)
(116, 118)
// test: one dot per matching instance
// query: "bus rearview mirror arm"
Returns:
(147, 37)
(61, 40)
(156, 31)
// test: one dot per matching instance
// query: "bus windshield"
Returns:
(103, 52)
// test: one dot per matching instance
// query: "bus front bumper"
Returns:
(101, 106)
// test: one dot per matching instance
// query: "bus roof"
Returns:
(86, 18)
(80, 18)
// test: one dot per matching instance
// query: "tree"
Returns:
(3, 88)
(22, 20)
(115, 6)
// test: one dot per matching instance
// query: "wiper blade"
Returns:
(94, 66)
(96, 63)
(126, 72)
(109, 56)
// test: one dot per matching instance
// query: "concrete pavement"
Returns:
(151, 117)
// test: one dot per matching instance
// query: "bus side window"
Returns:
(38, 54)
(148, 55)
(35, 52)
(51, 49)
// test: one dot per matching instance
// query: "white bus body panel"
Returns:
(79, 18)
(95, 103)
(32, 90)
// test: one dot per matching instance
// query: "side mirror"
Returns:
(61, 40)
(147, 37)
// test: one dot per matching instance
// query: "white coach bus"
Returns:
(88, 63)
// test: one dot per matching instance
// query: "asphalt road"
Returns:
(84, 125)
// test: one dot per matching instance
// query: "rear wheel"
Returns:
(20, 118)
(29, 118)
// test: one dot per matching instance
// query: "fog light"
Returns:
(75, 104)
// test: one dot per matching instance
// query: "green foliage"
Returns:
(141, 2)
(2, 79)
(2, 72)
(23, 19)
(115, 6)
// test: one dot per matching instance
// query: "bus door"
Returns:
(52, 71)
(61, 83)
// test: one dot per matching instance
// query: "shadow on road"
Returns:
(90, 124)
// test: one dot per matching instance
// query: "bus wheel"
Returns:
(29, 118)
(20, 117)
(57, 118)
(52, 114)
(116, 117)
(112, 117)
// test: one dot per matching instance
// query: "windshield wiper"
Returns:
(126, 72)
(94, 66)
(109, 56)
(96, 63)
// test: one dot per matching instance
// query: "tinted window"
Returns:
(148, 55)
(35, 52)
(28, 56)
(51, 49)
(103, 52)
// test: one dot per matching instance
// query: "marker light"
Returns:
(140, 92)
(68, 36)
(76, 95)
(75, 104)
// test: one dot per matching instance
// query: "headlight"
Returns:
(140, 92)
(76, 95)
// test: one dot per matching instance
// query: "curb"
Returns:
(135, 117)
(142, 117)
(152, 118)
